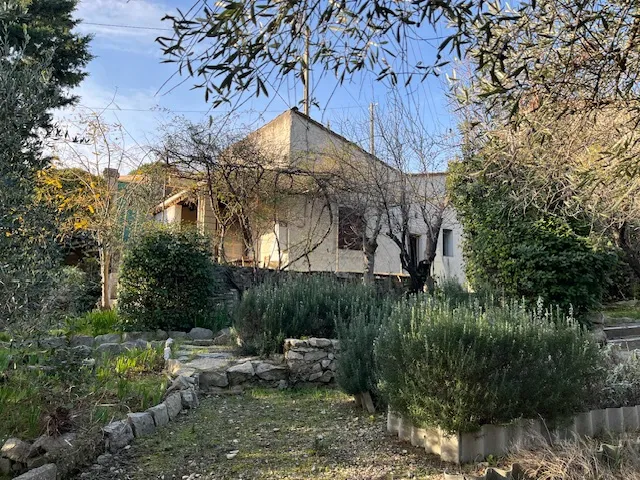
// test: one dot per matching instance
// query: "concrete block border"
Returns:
(498, 439)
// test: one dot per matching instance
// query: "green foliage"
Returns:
(459, 368)
(167, 280)
(33, 384)
(523, 252)
(46, 26)
(355, 372)
(97, 322)
(306, 305)
(621, 380)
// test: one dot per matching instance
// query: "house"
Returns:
(321, 226)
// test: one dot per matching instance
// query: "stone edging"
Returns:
(498, 439)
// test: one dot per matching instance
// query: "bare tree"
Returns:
(87, 190)
(248, 187)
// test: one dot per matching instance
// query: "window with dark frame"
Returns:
(447, 242)
(350, 228)
(414, 243)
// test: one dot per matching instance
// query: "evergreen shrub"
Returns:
(297, 306)
(461, 367)
(167, 280)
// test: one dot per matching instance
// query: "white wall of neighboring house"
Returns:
(171, 214)
(307, 222)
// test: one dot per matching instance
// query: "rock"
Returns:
(53, 447)
(109, 349)
(104, 459)
(82, 351)
(118, 435)
(319, 342)
(16, 450)
(85, 340)
(240, 373)
(5, 466)
(325, 363)
(291, 343)
(107, 338)
(213, 379)
(198, 333)
(315, 356)
(223, 337)
(142, 423)
(37, 462)
(189, 399)
(315, 376)
(177, 335)
(46, 472)
(132, 336)
(283, 385)
(336, 344)
(326, 377)
(180, 383)
(174, 405)
(333, 366)
(331, 356)
(316, 367)
(160, 415)
(53, 342)
(268, 372)
(160, 335)
(232, 454)
(294, 356)
(135, 345)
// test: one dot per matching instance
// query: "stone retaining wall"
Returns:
(312, 360)
(499, 439)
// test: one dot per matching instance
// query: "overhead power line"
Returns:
(135, 27)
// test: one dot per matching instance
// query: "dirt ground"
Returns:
(271, 434)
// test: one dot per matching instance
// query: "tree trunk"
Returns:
(105, 267)
(626, 245)
(369, 248)
(430, 251)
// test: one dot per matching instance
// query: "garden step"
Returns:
(627, 343)
(622, 331)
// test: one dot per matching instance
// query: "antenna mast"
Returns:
(306, 70)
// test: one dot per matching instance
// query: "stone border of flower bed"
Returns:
(498, 439)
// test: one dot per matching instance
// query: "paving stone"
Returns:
(160, 415)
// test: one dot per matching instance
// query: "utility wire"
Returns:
(136, 27)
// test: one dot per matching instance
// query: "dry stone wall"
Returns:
(312, 360)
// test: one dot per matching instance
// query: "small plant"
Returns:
(97, 322)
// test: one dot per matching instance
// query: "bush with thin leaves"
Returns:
(458, 368)
(295, 307)
(355, 366)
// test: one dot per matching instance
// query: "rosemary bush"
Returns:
(461, 367)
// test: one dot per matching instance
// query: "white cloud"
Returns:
(145, 14)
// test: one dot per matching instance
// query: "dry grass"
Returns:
(585, 459)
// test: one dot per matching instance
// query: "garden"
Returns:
(449, 361)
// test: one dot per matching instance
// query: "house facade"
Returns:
(322, 229)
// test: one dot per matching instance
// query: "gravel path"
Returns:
(271, 434)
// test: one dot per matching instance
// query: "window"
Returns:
(414, 243)
(350, 228)
(447, 242)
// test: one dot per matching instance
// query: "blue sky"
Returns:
(127, 75)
